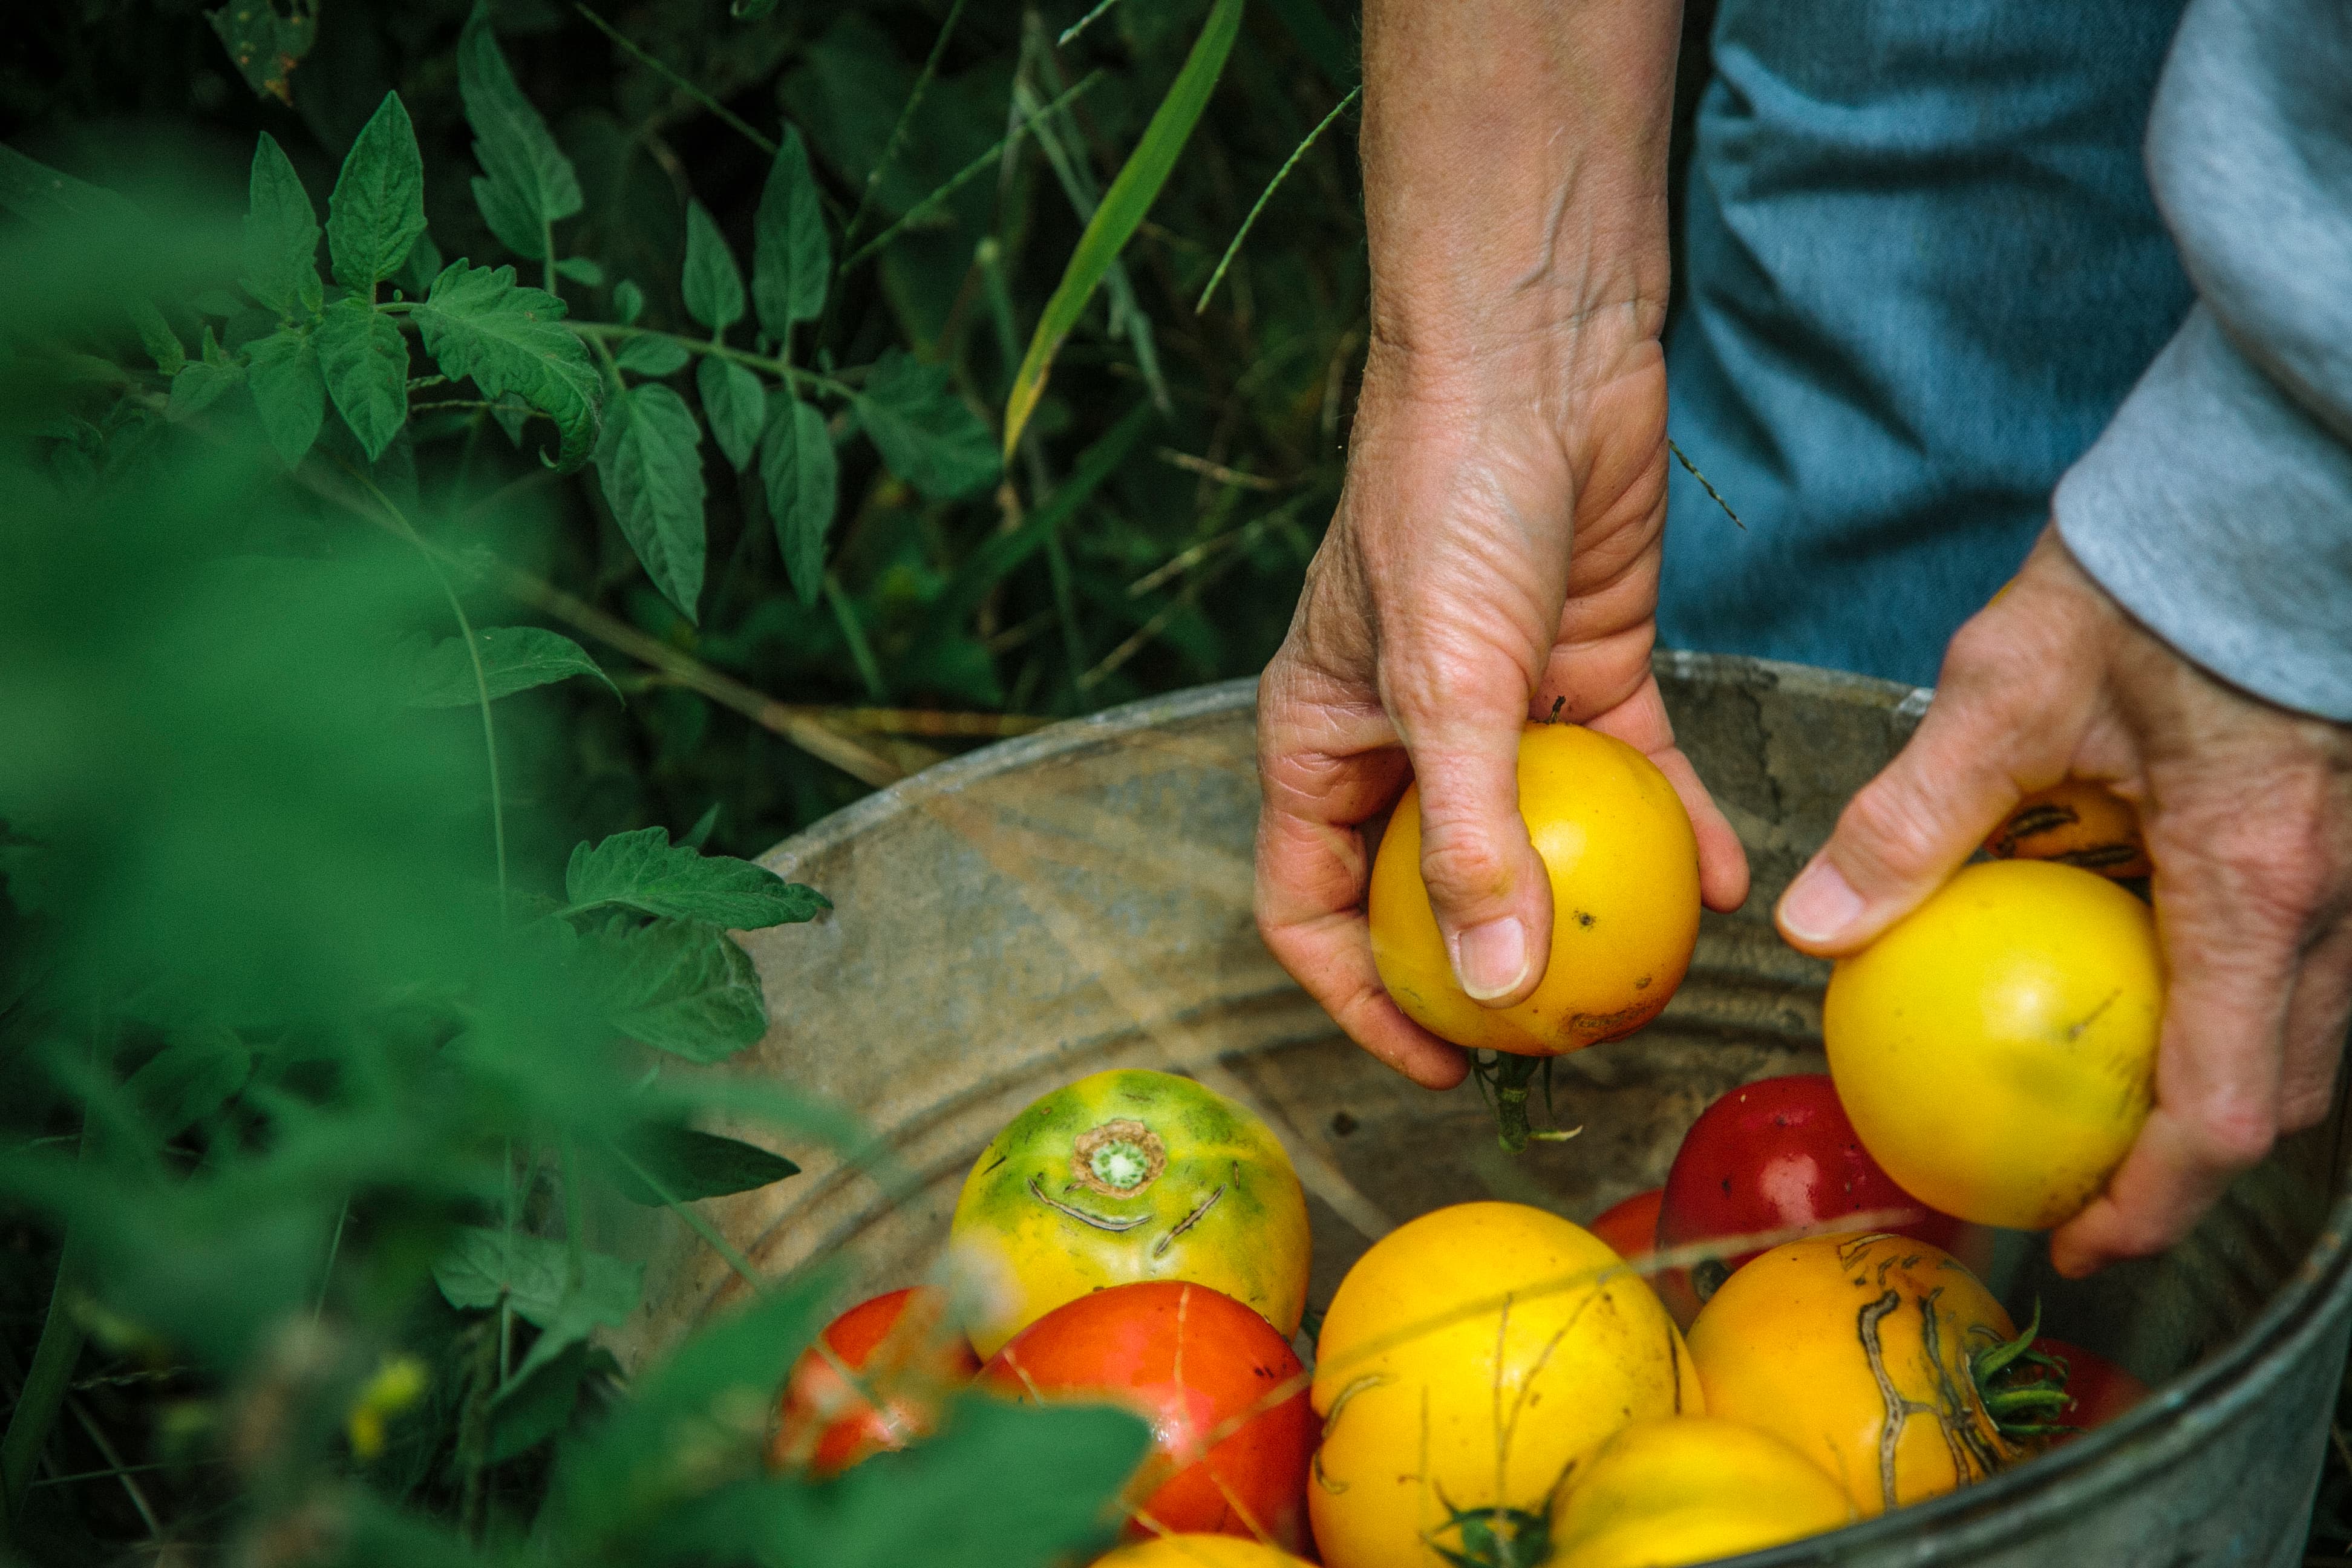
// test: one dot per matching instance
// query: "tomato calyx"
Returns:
(2023, 1388)
(1117, 1159)
(1503, 1078)
(1497, 1537)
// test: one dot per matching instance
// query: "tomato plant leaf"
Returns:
(581, 270)
(791, 259)
(365, 363)
(643, 872)
(479, 322)
(927, 434)
(534, 184)
(202, 382)
(680, 986)
(506, 215)
(1123, 207)
(736, 403)
(188, 1080)
(796, 465)
(689, 1164)
(713, 284)
(653, 356)
(529, 1410)
(481, 1266)
(650, 462)
(628, 302)
(377, 209)
(265, 42)
(282, 372)
(968, 1498)
(281, 233)
(514, 659)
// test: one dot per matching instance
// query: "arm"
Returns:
(2185, 632)
(1513, 407)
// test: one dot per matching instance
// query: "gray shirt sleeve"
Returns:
(2217, 505)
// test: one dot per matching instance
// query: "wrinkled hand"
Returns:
(2247, 811)
(1446, 608)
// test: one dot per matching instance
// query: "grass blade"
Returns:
(1267, 195)
(1129, 197)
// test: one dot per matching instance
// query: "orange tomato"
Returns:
(904, 1357)
(2078, 822)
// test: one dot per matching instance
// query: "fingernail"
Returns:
(1490, 960)
(1819, 903)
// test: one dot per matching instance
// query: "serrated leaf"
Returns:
(479, 322)
(282, 231)
(652, 355)
(1123, 208)
(581, 270)
(202, 382)
(155, 334)
(188, 1080)
(736, 403)
(643, 872)
(791, 260)
(514, 659)
(924, 431)
(689, 1165)
(377, 209)
(289, 390)
(480, 1267)
(798, 471)
(713, 284)
(265, 42)
(512, 140)
(681, 987)
(531, 1409)
(506, 215)
(365, 364)
(651, 468)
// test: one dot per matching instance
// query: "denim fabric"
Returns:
(1924, 267)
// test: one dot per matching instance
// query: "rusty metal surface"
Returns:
(1080, 899)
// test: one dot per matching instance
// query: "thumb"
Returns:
(1486, 885)
(1911, 827)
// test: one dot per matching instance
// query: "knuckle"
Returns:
(1461, 864)
(2232, 1137)
(1887, 820)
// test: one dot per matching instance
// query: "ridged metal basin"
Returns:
(1080, 899)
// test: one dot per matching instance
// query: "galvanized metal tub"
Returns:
(1080, 899)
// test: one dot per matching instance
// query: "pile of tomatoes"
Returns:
(1789, 1336)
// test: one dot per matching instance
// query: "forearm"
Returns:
(1514, 172)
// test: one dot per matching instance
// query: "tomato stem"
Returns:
(2021, 1386)
(1510, 1077)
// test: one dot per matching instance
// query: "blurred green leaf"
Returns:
(628, 302)
(377, 210)
(265, 42)
(202, 382)
(281, 233)
(967, 1498)
(365, 363)
(531, 183)
(653, 356)
(681, 987)
(479, 322)
(797, 465)
(736, 404)
(289, 389)
(513, 658)
(188, 1080)
(650, 461)
(531, 1409)
(645, 872)
(481, 1266)
(928, 434)
(581, 270)
(713, 284)
(1123, 208)
(791, 259)
(689, 1164)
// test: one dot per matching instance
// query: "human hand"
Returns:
(2247, 812)
(1446, 608)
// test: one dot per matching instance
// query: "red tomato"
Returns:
(2100, 1390)
(1631, 1228)
(1232, 1431)
(908, 1355)
(1770, 1156)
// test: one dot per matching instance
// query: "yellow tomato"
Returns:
(1469, 1360)
(1199, 1552)
(1996, 1047)
(1860, 1353)
(1624, 897)
(1123, 1176)
(2078, 822)
(1691, 1489)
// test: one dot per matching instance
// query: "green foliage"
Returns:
(311, 1062)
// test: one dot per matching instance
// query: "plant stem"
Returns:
(725, 116)
(474, 1432)
(695, 1222)
(1267, 195)
(906, 121)
(783, 369)
(44, 1383)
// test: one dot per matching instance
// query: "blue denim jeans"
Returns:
(1924, 268)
